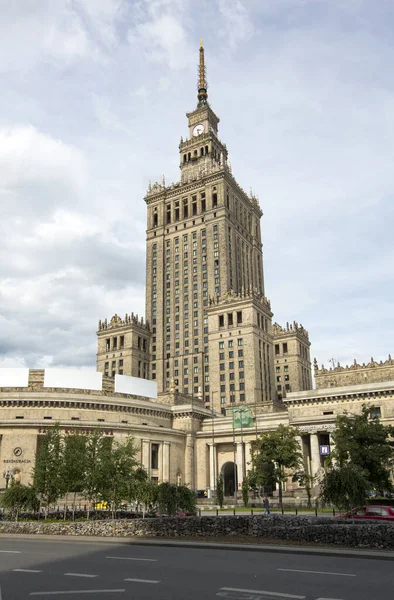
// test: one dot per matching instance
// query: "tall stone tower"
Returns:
(123, 347)
(210, 322)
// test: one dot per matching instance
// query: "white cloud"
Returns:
(237, 25)
(93, 107)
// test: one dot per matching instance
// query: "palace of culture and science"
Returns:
(207, 350)
(209, 328)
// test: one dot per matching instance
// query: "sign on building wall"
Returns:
(242, 417)
(324, 450)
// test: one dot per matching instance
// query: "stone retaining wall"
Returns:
(323, 530)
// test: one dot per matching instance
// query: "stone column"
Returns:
(248, 456)
(189, 462)
(315, 454)
(145, 457)
(240, 463)
(212, 466)
(166, 462)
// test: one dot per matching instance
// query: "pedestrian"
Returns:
(266, 504)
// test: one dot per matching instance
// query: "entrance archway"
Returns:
(229, 472)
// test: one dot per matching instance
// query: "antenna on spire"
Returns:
(202, 83)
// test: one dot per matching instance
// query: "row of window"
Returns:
(115, 368)
(230, 319)
(118, 342)
(278, 349)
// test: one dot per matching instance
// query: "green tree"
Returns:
(97, 449)
(362, 459)
(167, 498)
(47, 473)
(18, 498)
(306, 481)
(74, 464)
(274, 454)
(186, 499)
(245, 491)
(173, 498)
(142, 490)
(344, 487)
(220, 490)
(118, 467)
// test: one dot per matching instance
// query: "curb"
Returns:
(272, 548)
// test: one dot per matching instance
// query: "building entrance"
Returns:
(229, 472)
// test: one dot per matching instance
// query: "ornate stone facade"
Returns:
(292, 358)
(354, 374)
(209, 319)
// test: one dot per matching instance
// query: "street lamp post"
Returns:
(213, 442)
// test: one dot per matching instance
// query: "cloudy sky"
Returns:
(92, 107)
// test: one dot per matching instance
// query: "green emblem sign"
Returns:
(242, 417)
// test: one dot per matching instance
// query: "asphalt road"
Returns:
(35, 568)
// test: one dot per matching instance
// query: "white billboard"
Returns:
(14, 377)
(136, 386)
(73, 379)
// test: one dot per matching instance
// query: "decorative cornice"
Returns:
(82, 404)
(116, 322)
(354, 367)
(342, 394)
(290, 329)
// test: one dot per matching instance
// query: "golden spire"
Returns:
(202, 84)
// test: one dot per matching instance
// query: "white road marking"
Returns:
(130, 558)
(75, 592)
(143, 580)
(79, 575)
(328, 599)
(227, 589)
(10, 551)
(318, 572)
(27, 571)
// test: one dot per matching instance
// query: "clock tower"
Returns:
(203, 131)
(210, 321)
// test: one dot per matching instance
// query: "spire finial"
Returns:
(202, 84)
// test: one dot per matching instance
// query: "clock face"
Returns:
(198, 129)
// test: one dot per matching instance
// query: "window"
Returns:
(277, 369)
(221, 345)
(285, 348)
(240, 342)
(375, 412)
(287, 378)
(230, 319)
(221, 320)
(239, 317)
(276, 348)
(278, 378)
